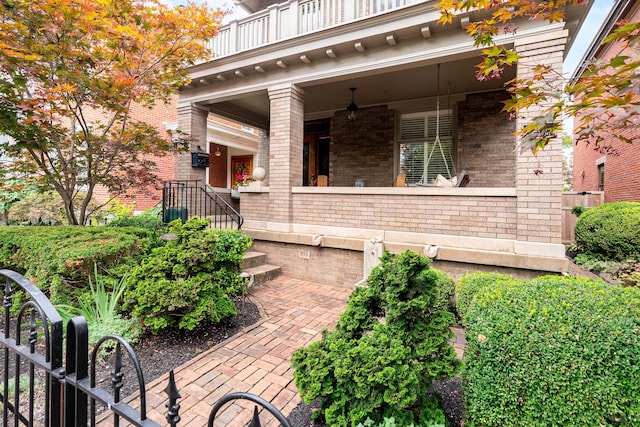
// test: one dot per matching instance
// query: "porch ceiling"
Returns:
(325, 97)
(389, 58)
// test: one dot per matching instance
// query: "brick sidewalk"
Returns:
(257, 359)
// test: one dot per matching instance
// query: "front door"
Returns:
(316, 151)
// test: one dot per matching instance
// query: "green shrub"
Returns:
(444, 287)
(610, 231)
(386, 422)
(556, 351)
(59, 260)
(188, 280)
(578, 210)
(388, 346)
(471, 284)
(149, 219)
(596, 264)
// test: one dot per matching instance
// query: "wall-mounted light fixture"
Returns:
(217, 153)
(352, 108)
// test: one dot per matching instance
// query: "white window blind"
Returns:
(421, 158)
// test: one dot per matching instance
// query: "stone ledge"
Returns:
(440, 253)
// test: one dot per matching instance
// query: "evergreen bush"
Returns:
(555, 351)
(610, 232)
(388, 346)
(189, 279)
(60, 260)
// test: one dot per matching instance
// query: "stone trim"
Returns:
(496, 252)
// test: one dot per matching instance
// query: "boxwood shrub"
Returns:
(610, 231)
(468, 285)
(555, 352)
(388, 346)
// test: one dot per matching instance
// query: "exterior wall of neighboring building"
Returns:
(166, 165)
(621, 161)
(621, 178)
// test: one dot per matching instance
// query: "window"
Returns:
(601, 177)
(422, 158)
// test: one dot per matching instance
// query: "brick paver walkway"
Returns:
(255, 360)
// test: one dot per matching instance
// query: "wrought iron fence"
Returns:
(183, 199)
(32, 345)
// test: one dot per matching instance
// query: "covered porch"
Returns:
(415, 86)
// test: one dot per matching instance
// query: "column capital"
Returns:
(286, 90)
(192, 107)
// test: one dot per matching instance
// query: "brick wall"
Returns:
(621, 177)
(328, 266)
(218, 166)
(486, 146)
(147, 197)
(490, 217)
(255, 206)
(362, 149)
(585, 168)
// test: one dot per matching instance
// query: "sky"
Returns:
(588, 31)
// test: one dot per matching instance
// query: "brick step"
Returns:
(253, 259)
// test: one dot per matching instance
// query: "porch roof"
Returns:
(390, 57)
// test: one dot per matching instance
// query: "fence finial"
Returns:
(173, 416)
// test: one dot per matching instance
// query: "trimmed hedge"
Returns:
(468, 285)
(556, 351)
(388, 346)
(610, 231)
(60, 259)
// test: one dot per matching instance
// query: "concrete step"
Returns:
(263, 273)
(253, 259)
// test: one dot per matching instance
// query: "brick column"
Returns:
(192, 120)
(285, 151)
(539, 208)
(263, 152)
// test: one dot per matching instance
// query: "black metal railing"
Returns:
(183, 199)
(32, 345)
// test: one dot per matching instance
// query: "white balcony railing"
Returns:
(295, 17)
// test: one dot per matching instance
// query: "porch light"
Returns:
(217, 153)
(352, 108)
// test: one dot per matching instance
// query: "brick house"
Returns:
(617, 175)
(292, 69)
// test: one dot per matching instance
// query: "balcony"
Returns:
(293, 18)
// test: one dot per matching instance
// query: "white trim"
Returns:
(601, 160)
